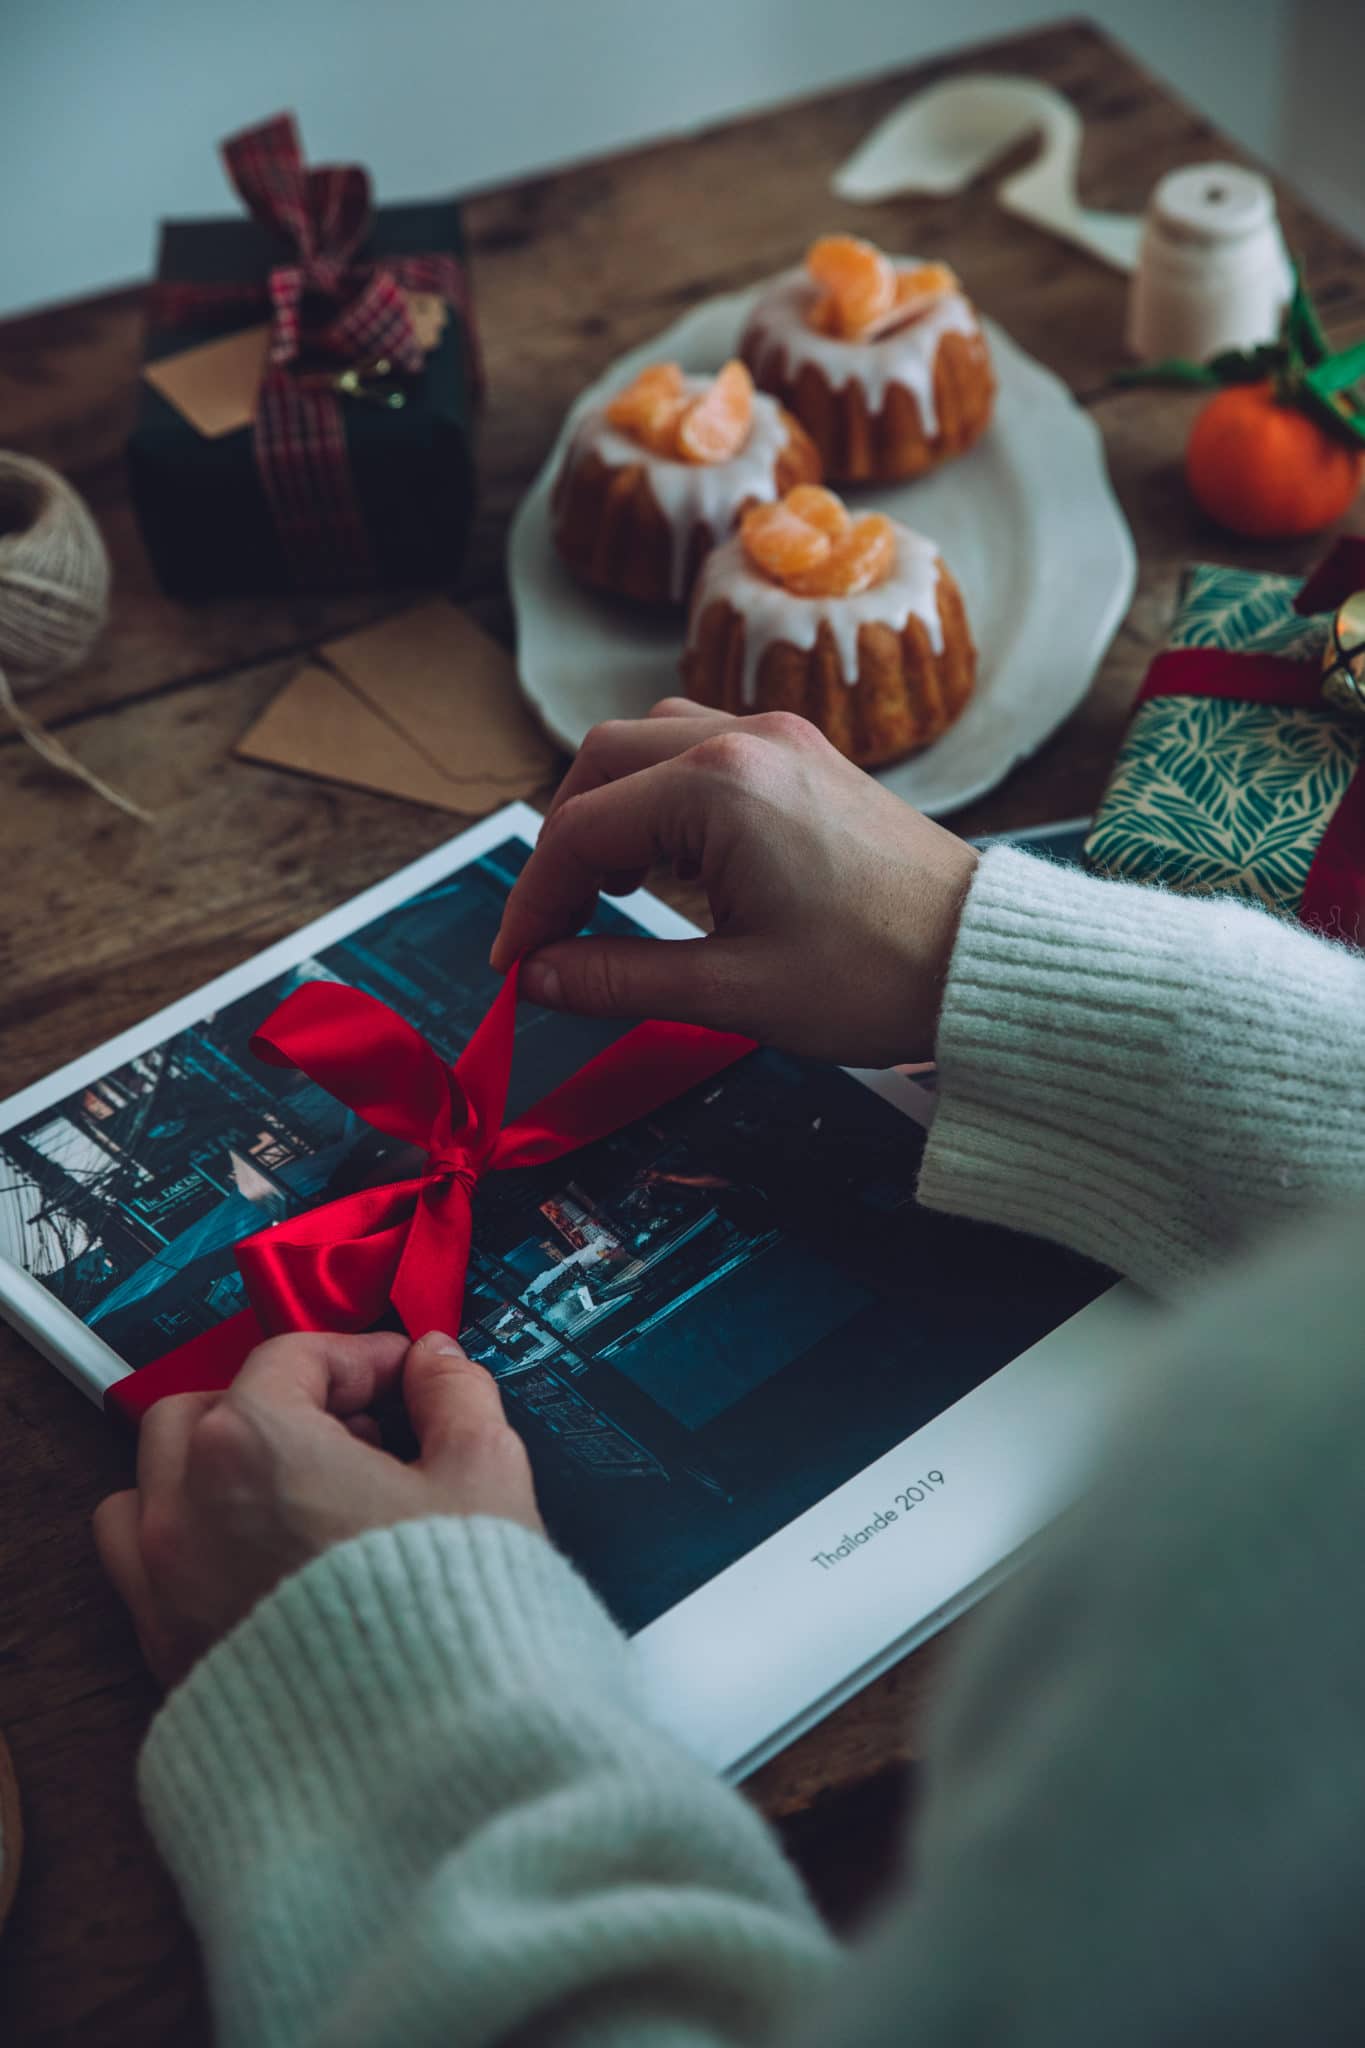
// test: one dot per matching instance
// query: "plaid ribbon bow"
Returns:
(325, 302)
(325, 308)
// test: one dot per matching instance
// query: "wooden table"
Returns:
(104, 921)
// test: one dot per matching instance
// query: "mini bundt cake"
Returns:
(661, 474)
(855, 623)
(883, 361)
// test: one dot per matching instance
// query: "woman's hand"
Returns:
(835, 905)
(236, 1490)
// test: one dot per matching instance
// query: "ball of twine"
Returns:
(54, 574)
(54, 596)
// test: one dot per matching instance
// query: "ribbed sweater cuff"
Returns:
(352, 1664)
(1141, 1076)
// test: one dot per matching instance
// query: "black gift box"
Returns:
(200, 503)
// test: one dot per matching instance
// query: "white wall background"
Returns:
(110, 109)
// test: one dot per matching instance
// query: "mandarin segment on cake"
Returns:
(882, 360)
(855, 622)
(661, 473)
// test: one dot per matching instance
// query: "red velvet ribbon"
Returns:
(405, 1246)
(326, 305)
(1333, 900)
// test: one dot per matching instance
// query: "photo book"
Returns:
(786, 1422)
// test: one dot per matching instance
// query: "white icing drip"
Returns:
(690, 494)
(778, 326)
(771, 613)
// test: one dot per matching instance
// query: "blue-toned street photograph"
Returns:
(700, 1325)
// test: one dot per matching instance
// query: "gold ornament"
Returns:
(1343, 658)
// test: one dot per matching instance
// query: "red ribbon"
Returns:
(405, 1246)
(1333, 900)
(326, 305)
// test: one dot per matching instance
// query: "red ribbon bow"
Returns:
(322, 304)
(406, 1244)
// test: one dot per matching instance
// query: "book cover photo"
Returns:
(701, 1325)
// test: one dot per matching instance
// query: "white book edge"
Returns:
(773, 1642)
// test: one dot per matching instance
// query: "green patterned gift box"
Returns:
(1236, 774)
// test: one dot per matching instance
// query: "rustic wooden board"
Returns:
(11, 1833)
(102, 921)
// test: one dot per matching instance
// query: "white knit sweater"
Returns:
(413, 1799)
(1149, 1078)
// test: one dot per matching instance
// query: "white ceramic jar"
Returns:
(1213, 271)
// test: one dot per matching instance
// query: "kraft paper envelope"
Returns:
(423, 706)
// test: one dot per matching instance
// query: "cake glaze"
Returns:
(882, 672)
(772, 613)
(896, 402)
(905, 356)
(693, 494)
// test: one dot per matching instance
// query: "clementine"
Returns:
(1266, 469)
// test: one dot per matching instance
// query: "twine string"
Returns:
(54, 593)
(49, 748)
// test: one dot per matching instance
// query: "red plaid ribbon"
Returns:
(323, 306)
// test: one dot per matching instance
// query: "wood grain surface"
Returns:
(11, 1832)
(103, 921)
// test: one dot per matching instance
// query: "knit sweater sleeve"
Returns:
(1145, 1077)
(413, 1798)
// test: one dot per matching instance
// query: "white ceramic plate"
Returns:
(1027, 522)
